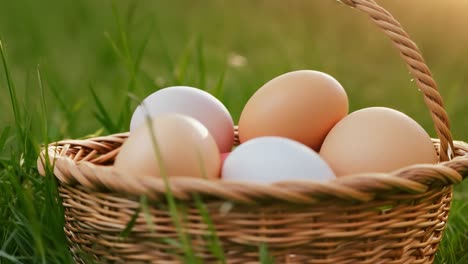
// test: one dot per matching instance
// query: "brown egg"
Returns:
(186, 147)
(376, 139)
(300, 105)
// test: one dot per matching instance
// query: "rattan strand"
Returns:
(394, 218)
(411, 54)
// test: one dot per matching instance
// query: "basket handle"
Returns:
(417, 66)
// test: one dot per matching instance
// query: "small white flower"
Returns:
(237, 61)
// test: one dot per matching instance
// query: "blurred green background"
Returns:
(259, 40)
(114, 48)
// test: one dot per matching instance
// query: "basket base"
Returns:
(398, 229)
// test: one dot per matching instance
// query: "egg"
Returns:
(301, 105)
(376, 139)
(186, 149)
(192, 102)
(224, 156)
(266, 160)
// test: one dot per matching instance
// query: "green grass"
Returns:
(93, 54)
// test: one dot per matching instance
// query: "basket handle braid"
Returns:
(417, 66)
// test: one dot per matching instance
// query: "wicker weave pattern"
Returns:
(398, 229)
(393, 217)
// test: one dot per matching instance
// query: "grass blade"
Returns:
(4, 137)
(265, 257)
(214, 244)
(142, 47)
(128, 229)
(134, 71)
(149, 81)
(115, 47)
(8, 240)
(145, 206)
(201, 64)
(122, 33)
(453, 246)
(12, 92)
(8, 257)
(173, 210)
(131, 11)
(166, 59)
(219, 89)
(102, 115)
(184, 61)
(45, 125)
(60, 101)
(26, 200)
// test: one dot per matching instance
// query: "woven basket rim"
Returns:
(73, 168)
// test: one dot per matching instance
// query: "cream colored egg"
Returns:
(376, 139)
(300, 105)
(186, 147)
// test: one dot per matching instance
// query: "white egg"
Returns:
(267, 160)
(192, 102)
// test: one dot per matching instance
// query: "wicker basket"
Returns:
(373, 218)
